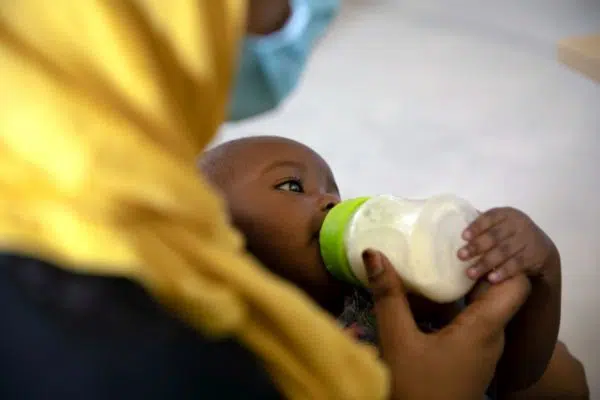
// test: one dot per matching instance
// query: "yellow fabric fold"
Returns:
(104, 105)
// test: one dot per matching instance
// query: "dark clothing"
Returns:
(69, 336)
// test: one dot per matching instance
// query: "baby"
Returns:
(279, 192)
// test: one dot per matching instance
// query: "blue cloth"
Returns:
(271, 65)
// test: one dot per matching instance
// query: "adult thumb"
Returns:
(394, 317)
(384, 282)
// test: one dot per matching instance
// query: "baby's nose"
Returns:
(328, 201)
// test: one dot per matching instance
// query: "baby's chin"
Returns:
(331, 294)
(314, 279)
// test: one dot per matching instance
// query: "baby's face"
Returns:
(279, 194)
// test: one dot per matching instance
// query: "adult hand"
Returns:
(267, 16)
(457, 362)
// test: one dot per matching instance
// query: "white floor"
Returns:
(416, 97)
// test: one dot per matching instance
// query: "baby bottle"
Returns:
(421, 239)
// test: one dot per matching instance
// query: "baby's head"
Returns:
(279, 192)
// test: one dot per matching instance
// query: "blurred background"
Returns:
(418, 97)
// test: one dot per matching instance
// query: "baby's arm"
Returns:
(532, 335)
(509, 243)
(564, 379)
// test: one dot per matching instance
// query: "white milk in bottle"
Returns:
(421, 238)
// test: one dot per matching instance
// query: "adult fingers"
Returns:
(395, 322)
(492, 307)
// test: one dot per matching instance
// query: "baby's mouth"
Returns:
(315, 245)
(315, 238)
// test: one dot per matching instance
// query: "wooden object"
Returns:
(582, 53)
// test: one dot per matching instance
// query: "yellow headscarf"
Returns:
(104, 105)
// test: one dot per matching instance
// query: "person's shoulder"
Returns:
(106, 338)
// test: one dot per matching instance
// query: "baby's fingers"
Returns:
(484, 222)
(495, 258)
(485, 242)
(512, 267)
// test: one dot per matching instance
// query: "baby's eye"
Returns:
(292, 185)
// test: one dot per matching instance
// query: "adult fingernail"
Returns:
(373, 263)
(467, 235)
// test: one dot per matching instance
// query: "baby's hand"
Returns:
(354, 331)
(508, 242)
